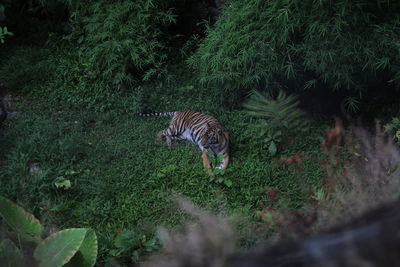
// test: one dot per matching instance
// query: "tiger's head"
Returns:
(212, 137)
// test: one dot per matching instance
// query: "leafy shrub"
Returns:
(4, 32)
(217, 175)
(105, 52)
(63, 77)
(71, 83)
(74, 247)
(280, 117)
(122, 41)
(394, 128)
(329, 44)
(129, 243)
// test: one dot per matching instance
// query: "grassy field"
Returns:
(121, 178)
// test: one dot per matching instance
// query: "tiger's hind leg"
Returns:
(165, 135)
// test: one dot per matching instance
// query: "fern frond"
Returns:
(280, 113)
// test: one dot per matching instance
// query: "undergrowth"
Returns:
(121, 179)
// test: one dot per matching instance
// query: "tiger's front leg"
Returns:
(206, 162)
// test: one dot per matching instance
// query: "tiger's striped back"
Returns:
(201, 129)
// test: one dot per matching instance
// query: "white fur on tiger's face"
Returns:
(200, 129)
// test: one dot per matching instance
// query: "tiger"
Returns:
(202, 130)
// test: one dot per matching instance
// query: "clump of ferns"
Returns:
(279, 117)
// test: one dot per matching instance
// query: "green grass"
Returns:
(122, 178)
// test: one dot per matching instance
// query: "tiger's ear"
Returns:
(219, 130)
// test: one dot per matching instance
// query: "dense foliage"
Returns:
(301, 44)
(129, 33)
(291, 45)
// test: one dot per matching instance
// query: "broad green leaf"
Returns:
(398, 135)
(220, 158)
(217, 171)
(152, 244)
(209, 154)
(23, 222)
(135, 256)
(228, 183)
(10, 255)
(61, 182)
(272, 148)
(87, 253)
(127, 239)
(59, 248)
(268, 138)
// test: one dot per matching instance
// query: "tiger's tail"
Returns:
(163, 114)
